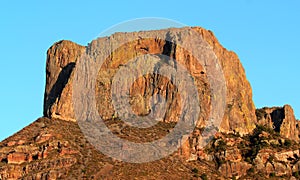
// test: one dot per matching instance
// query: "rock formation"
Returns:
(54, 147)
(61, 58)
(239, 113)
(281, 119)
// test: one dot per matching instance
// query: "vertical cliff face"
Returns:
(281, 119)
(61, 58)
(239, 113)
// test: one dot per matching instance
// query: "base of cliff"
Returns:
(49, 149)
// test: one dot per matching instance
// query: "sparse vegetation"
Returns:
(260, 113)
(257, 142)
(271, 158)
(296, 174)
(204, 176)
(287, 143)
(195, 170)
(251, 170)
(221, 146)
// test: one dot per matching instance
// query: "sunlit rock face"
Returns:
(239, 115)
(55, 147)
(281, 119)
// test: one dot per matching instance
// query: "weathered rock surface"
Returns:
(54, 147)
(68, 155)
(280, 163)
(239, 113)
(57, 149)
(61, 58)
(281, 119)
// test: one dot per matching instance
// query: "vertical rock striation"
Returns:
(239, 113)
(61, 58)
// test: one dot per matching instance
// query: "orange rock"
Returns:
(62, 56)
(11, 143)
(65, 151)
(21, 142)
(43, 138)
(17, 158)
(281, 119)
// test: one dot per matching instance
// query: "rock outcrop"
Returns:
(281, 119)
(61, 58)
(239, 113)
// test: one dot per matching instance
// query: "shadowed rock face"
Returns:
(61, 58)
(239, 113)
(281, 119)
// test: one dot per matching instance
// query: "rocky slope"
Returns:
(250, 144)
(57, 149)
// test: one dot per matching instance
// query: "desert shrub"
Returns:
(195, 170)
(260, 113)
(242, 145)
(204, 176)
(251, 170)
(216, 145)
(275, 145)
(256, 142)
(271, 159)
(260, 128)
(221, 146)
(248, 159)
(287, 143)
(272, 174)
(219, 161)
(296, 174)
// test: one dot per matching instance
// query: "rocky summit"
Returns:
(249, 144)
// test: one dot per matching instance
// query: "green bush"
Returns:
(221, 146)
(220, 161)
(204, 177)
(287, 143)
(260, 128)
(256, 142)
(195, 170)
(272, 174)
(260, 113)
(251, 170)
(296, 174)
(271, 159)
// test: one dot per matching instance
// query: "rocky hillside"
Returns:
(250, 144)
(57, 149)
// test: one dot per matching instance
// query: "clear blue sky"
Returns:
(265, 35)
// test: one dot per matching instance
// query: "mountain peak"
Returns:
(246, 143)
